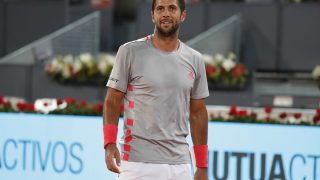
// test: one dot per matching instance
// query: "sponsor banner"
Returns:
(51, 147)
(71, 147)
(257, 151)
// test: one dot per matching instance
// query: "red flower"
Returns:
(316, 119)
(242, 113)
(95, 108)
(253, 114)
(59, 101)
(83, 104)
(1, 100)
(233, 111)
(318, 111)
(70, 100)
(283, 115)
(268, 109)
(268, 118)
(6, 104)
(21, 106)
(30, 107)
(238, 70)
(297, 115)
(98, 107)
(210, 69)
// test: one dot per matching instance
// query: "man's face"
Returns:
(167, 17)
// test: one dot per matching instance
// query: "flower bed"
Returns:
(224, 72)
(266, 115)
(70, 106)
(84, 68)
(67, 106)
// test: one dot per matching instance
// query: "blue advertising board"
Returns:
(50, 147)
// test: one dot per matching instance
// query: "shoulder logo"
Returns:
(113, 79)
(191, 75)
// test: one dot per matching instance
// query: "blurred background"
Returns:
(262, 62)
(275, 42)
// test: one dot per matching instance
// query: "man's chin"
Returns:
(167, 32)
(166, 28)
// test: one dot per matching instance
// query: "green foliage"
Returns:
(250, 119)
(6, 108)
(75, 109)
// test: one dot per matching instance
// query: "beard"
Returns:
(168, 33)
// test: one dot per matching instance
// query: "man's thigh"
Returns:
(147, 171)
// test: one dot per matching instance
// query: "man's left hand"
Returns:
(201, 174)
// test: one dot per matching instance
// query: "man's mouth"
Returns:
(166, 22)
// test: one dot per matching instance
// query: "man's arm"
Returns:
(199, 130)
(198, 121)
(111, 113)
(111, 108)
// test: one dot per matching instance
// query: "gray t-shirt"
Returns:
(158, 86)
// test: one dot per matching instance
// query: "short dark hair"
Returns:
(181, 3)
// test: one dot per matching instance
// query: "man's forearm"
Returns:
(199, 126)
(111, 110)
(199, 134)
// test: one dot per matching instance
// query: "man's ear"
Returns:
(183, 16)
(152, 16)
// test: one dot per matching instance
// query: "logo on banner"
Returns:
(259, 168)
(57, 156)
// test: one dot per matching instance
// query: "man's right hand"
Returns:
(112, 152)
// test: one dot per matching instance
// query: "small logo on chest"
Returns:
(191, 75)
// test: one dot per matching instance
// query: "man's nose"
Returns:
(166, 12)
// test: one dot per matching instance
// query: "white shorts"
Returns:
(148, 171)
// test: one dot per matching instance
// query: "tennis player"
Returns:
(163, 84)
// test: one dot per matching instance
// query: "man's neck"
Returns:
(168, 44)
